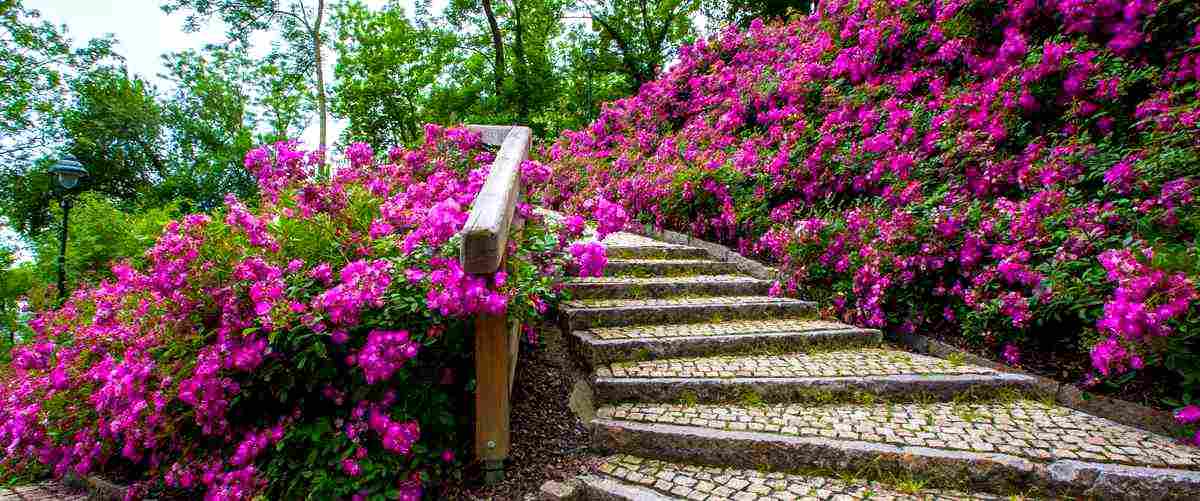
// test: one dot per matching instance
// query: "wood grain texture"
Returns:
(493, 374)
(486, 231)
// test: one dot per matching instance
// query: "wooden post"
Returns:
(484, 242)
(492, 390)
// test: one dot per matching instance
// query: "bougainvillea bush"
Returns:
(316, 347)
(1018, 174)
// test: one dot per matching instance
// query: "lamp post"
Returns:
(67, 172)
(590, 53)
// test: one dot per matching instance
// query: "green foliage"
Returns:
(635, 37)
(386, 67)
(100, 233)
(300, 23)
(36, 58)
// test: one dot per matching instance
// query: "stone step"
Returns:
(665, 251)
(588, 313)
(627, 477)
(667, 267)
(640, 342)
(996, 446)
(624, 245)
(819, 377)
(660, 287)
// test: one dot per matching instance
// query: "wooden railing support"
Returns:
(484, 243)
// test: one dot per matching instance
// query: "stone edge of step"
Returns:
(615, 316)
(788, 389)
(715, 251)
(668, 286)
(667, 251)
(982, 470)
(598, 351)
(682, 267)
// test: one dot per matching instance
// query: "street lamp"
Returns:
(67, 171)
(590, 53)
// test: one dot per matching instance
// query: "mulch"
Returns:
(548, 441)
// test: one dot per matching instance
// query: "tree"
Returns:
(299, 23)
(114, 126)
(213, 117)
(14, 281)
(741, 12)
(386, 68)
(643, 33)
(36, 58)
(522, 33)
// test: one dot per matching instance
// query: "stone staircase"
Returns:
(706, 388)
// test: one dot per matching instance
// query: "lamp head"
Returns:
(68, 171)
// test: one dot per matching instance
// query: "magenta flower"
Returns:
(1188, 415)
(590, 258)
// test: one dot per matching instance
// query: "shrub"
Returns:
(317, 347)
(1021, 174)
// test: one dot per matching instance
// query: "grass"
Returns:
(689, 398)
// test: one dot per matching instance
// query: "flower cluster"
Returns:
(957, 166)
(1144, 306)
(590, 258)
(317, 319)
(384, 353)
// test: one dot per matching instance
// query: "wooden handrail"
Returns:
(486, 231)
(484, 243)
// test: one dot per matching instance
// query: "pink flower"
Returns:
(1012, 355)
(1188, 415)
(590, 258)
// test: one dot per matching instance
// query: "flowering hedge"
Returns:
(314, 347)
(1021, 173)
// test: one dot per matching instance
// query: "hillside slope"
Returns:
(1021, 173)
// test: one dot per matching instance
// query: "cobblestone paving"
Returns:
(861, 362)
(683, 280)
(712, 484)
(664, 262)
(679, 301)
(1021, 428)
(46, 491)
(715, 329)
(625, 239)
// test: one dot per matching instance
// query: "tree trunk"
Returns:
(497, 46)
(522, 65)
(322, 106)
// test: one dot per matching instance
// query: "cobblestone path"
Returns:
(48, 491)
(706, 388)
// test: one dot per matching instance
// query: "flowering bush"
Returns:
(1020, 173)
(313, 347)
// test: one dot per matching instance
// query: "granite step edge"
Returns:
(667, 267)
(985, 471)
(668, 251)
(597, 351)
(583, 317)
(899, 387)
(666, 287)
